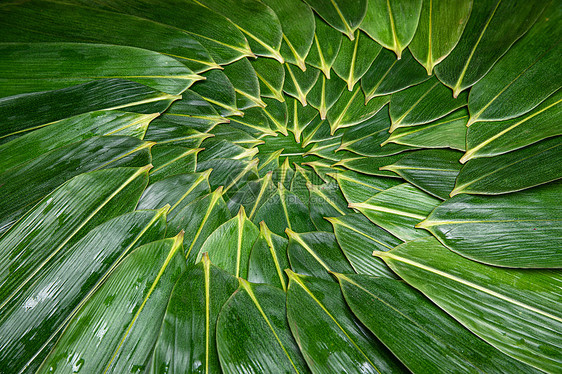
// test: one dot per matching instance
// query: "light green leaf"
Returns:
(358, 237)
(190, 321)
(116, 329)
(299, 83)
(343, 16)
(31, 67)
(326, 200)
(392, 23)
(76, 273)
(268, 346)
(277, 114)
(369, 165)
(170, 160)
(317, 312)
(388, 75)
(432, 170)
(327, 42)
(316, 254)
(516, 311)
(299, 117)
(230, 244)
(219, 91)
(355, 57)
(325, 93)
(268, 259)
(516, 230)
(439, 29)
(485, 139)
(492, 28)
(297, 23)
(447, 132)
(423, 103)
(421, 335)
(352, 108)
(398, 209)
(513, 171)
(245, 82)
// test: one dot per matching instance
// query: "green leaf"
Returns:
(342, 16)
(176, 191)
(447, 132)
(47, 21)
(516, 311)
(252, 195)
(32, 111)
(367, 137)
(392, 23)
(31, 321)
(70, 130)
(421, 335)
(256, 122)
(388, 75)
(326, 200)
(316, 254)
(190, 321)
(493, 27)
(352, 108)
(266, 347)
(299, 117)
(224, 41)
(513, 171)
(284, 210)
(369, 165)
(432, 170)
(116, 329)
(325, 93)
(297, 23)
(317, 312)
(264, 36)
(271, 76)
(525, 76)
(439, 29)
(268, 259)
(327, 42)
(357, 187)
(398, 209)
(26, 184)
(423, 103)
(277, 114)
(485, 139)
(199, 219)
(358, 237)
(355, 57)
(62, 217)
(299, 83)
(31, 67)
(245, 82)
(515, 230)
(230, 244)
(219, 91)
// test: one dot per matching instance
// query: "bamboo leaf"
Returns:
(369, 165)
(317, 312)
(431, 170)
(299, 117)
(515, 230)
(326, 200)
(325, 93)
(513, 171)
(357, 187)
(392, 23)
(31, 67)
(358, 237)
(191, 317)
(268, 259)
(75, 274)
(355, 57)
(327, 42)
(268, 346)
(398, 209)
(439, 29)
(316, 254)
(341, 15)
(504, 307)
(245, 82)
(422, 336)
(388, 75)
(219, 92)
(47, 21)
(271, 76)
(492, 29)
(118, 326)
(299, 83)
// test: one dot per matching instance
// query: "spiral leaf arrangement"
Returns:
(277, 186)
